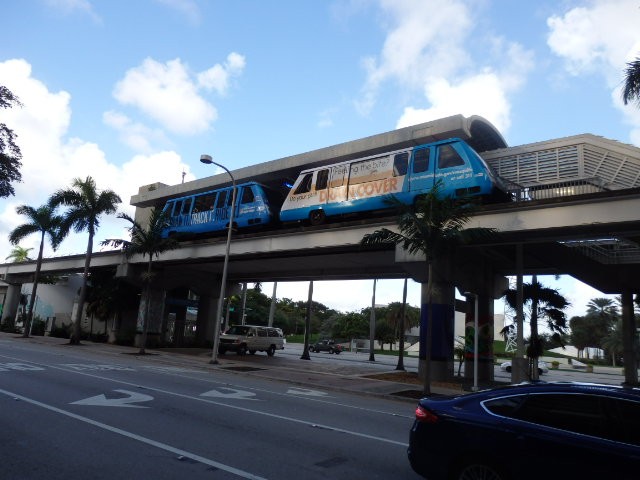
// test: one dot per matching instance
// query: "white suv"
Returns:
(251, 338)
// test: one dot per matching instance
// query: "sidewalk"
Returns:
(354, 377)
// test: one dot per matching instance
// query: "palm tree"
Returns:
(149, 242)
(19, 254)
(544, 303)
(434, 226)
(86, 204)
(631, 90)
(42, 220)
(603, 308)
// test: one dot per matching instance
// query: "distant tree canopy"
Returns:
(10, 154)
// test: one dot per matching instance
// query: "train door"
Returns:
(421, 176)
(182, 211)
(221, 207)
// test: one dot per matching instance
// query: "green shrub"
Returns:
(99, 337)
(62, 331)
(9, 326)
(125, 337)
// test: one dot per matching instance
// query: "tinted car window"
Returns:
(574, 413)
(505, 407)
(624, 421)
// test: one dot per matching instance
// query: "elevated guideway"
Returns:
(475, 130)
(577, 212)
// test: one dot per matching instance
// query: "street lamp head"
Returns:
(206, 159)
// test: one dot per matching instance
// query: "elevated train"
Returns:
(350, 187)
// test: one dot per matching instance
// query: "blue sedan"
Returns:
(529, 431)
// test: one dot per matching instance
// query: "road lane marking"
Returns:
(103, 401)
(229, 393)
(139, 438)
(244, 409)
(306, 392)
(94, 367)
(5, 367)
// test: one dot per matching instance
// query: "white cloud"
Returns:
(435, 61)
(189, 8)
(218, 77)
(68, 7)
(51, 160)
(482, 94)
(137, 136)
(166, 93)
(424, 39)
(600, 38)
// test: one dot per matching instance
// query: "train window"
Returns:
(222, 199)
(203, 203)
(448, 157)
(305, 184)
(400, 162)
(169, 208)
(421, 160)
(247, 195)
(186, 206)
(321, 179)
(337, 176)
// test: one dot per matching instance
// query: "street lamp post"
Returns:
(216, 327)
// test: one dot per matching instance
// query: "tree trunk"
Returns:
(147, 304)
(533, 345)
(77, 330)
(34, 290)
(428, 337)
(400, 365)
(307, 328)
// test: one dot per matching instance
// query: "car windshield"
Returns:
(238, 330)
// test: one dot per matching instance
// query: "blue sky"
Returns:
(132, 92)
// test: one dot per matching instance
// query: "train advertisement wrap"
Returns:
(351, 187)
(363, 184)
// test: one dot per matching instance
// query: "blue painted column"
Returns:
(443, 306)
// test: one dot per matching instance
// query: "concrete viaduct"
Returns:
(578, 213)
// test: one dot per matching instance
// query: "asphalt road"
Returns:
(74, 413)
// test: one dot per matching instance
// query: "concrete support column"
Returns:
(442, 309)
(156, 302)
(485, 338)
(11, 302)
(207, 307)
(629, 335)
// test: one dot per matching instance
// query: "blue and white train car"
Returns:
(362, 184)
(210, 211)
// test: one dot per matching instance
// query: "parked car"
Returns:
(542, 367)
(326, 346)
(529, 431)
(251, 338)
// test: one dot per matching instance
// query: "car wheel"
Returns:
(331, 350)
(252, 352)
(242, 350)
(508, 369)
(540, 372)
(477, 470)
(271, 350)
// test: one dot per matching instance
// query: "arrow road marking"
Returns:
(103, 401)
(232, 393)
(306, 392)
